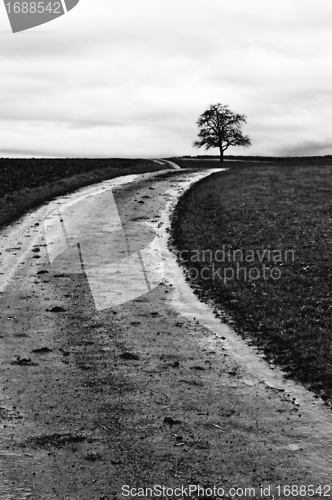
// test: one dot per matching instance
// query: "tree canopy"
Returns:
(220, 128)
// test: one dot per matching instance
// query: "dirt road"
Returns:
(97, 400)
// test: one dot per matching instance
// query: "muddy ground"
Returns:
(137, 394)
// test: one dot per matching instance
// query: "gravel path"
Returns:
(98, 400)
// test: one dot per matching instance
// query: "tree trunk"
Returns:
(221, 155)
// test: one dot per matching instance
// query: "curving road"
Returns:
(113, 373)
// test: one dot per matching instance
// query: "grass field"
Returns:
(25, 184)
(258, 241)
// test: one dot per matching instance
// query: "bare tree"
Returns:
(221, 128)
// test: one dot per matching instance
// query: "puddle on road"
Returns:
(14, 485)
(15, 473)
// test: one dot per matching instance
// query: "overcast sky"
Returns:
(130, 78)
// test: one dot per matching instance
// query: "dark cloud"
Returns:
(308, 148)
